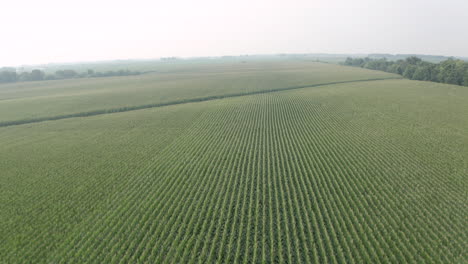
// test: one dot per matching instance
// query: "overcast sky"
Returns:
(45, 31)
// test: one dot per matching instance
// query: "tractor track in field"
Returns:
(177, 102)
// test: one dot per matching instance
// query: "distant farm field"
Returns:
(363, 170)
(48, 99)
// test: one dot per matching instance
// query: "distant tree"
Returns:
(402, 66)
(465, 78)
(110, 73)
(409, 71)
(50, 77)
(450, 71)
(361, 62)
(460, 69)
(413, 60)
(394, 68)
(8, 76)
(8, 69)
(70, 73)
(434, 73)
(82, 75)
(447, 72)
(66, 74)
(36, 75)
(380, 64)
(24, 77)
(358, 62)
(349, 61)
(422, 73)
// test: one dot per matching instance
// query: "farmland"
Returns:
(49, 99)
(294, 162)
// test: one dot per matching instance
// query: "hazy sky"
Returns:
(89, 30)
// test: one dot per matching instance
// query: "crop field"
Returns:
(270, 165)
(45, 100)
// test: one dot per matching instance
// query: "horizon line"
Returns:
(221, 56)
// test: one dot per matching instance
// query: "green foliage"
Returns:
(465, 78)
(422, 73)
(65, 74)
(381, 65)
(395, 68)
(449, 71)
(36, 75)
(8, 75)
(413, 60)
(409, 71)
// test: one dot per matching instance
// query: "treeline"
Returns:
(450, 71)
(8, 75)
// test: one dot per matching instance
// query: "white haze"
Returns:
(46, 31)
